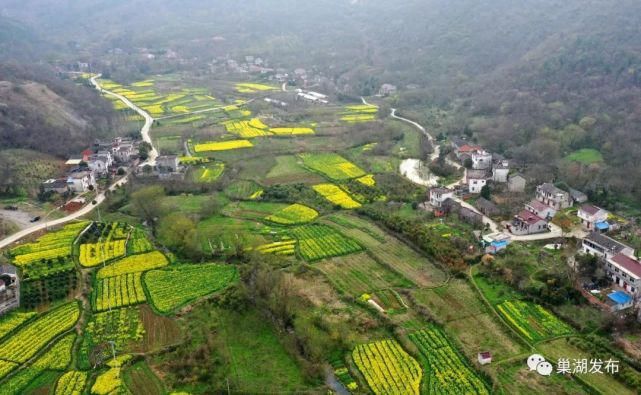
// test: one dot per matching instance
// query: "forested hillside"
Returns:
(537, 80)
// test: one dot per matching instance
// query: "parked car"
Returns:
(35, 219)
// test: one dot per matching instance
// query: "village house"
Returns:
(604, 247)
(540, 209)
(496, 242)
(625, 272)
(9, 289)
(101, 162)
(593, 218)
(619, 300)
(439, 195)
(552, 196)
(481, 159)
(500, 171)
(470, 216)
(578, 197)
(124, 152)
(80, 181)
(465, 151)
(487, 207)
(516, 183)
(387, 90)
(74, 161)
(485, 357)
(476, 180)
(55, 185)
(527, 223)
(168, 163)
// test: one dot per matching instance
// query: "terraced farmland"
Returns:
(320, 241)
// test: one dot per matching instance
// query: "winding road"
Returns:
(555, 231)
(153, 154)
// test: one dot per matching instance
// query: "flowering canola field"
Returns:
(195, 281)
(222, 145)
(332, 166)
(387, 368)
(294, 214)
(321, 241)
(336, 195)
(447, 372)
(532, 320)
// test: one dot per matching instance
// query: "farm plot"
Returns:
(6, 368)
(36, 334)
(333, 166)
(409, 263)
(532, 321)
(222, 145)
(243, 190)
(138, 242)
(387, 368)
(118, 291)
(336, 195)
(455, 301)
(287, 247)
(358, 274)
(56, 358)
(320, 241)
(134, 264)
(195, 281)
(12, 320)
(291, 131)
(93, 254)
(367, 180)
(390, 301)
(71, 383)
(123, 327)
(293, 215)
(248, 87)
(48, 255)
(253, 210)
(207, 173)
(247, 129)
(288, 170)
(359, 113)
(448, 370)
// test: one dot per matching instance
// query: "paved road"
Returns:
(101, 196)
(555, 231)
(149, 121)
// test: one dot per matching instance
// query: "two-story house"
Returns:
(168, 163)
(527, 223)
(124, 152)
(552, 196)
(593, 217)
(501, 171)
(604, 247)
(476, 180)
(540, 209)
(625, 272)
(9, 288)
(438, 195)
(101, 162)
(80, 181)
(481, 160)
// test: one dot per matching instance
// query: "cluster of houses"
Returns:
(311, 97)
(485, 167)
(620, 265)
(101, 160)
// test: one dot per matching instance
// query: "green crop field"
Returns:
(586, 156)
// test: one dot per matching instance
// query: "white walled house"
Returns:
(540, 209)
(604, 247)
(625, 272)
(481, 160)
(439, 195)
(527, 223)
(552, 196)
(501, 171)
(101, 162)
(476, 180)
(591, 216)
(168, 163)
(80, 181)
